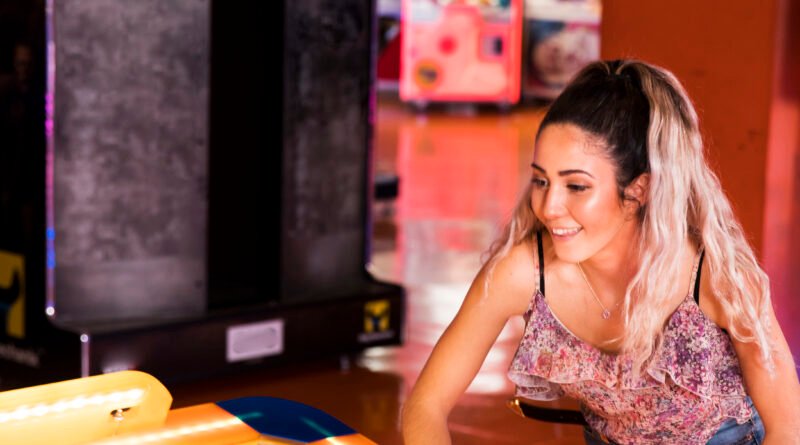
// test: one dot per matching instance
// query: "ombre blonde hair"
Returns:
(648, 125)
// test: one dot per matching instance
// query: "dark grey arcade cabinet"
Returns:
(196, 191)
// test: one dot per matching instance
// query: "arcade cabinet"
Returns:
(191, 191)
(461, 51)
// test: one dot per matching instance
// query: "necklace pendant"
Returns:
(606, 314)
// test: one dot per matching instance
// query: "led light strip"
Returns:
(121, 399)
(174, 432)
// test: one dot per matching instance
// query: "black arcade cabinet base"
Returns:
(220, 342)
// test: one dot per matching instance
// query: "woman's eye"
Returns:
(539, 182)
(577, 187)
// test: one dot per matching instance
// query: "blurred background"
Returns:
(292, 200)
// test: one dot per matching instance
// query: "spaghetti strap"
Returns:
(699, 266)
(541, 261)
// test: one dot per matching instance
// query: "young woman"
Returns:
(642, 297)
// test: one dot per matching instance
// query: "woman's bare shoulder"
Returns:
(514, 276)
(709, 299)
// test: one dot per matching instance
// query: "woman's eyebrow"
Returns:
(563, 172)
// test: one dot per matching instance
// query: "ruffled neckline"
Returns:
(615, 354)
(703, 363)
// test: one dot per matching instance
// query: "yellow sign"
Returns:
(12, 293)
(376, 316)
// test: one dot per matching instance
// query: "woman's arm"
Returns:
(461, 350)
(776, 396)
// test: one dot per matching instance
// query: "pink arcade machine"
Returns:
(461, 51)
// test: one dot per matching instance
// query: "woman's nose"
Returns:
(552, 204)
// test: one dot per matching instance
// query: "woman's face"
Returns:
(574, 194)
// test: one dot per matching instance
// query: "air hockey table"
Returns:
(133, 407)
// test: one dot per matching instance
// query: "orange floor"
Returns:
(460, 169)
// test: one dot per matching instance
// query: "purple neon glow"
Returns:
(48, 130)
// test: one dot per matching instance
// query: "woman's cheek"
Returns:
(595, 208)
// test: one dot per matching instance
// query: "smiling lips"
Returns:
(564, 232)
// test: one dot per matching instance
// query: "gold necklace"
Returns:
(606, 312)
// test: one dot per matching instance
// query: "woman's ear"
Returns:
(637, 192)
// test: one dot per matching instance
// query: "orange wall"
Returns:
(740, 62)
(722, 51)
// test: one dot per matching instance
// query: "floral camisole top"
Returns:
(689, 388)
